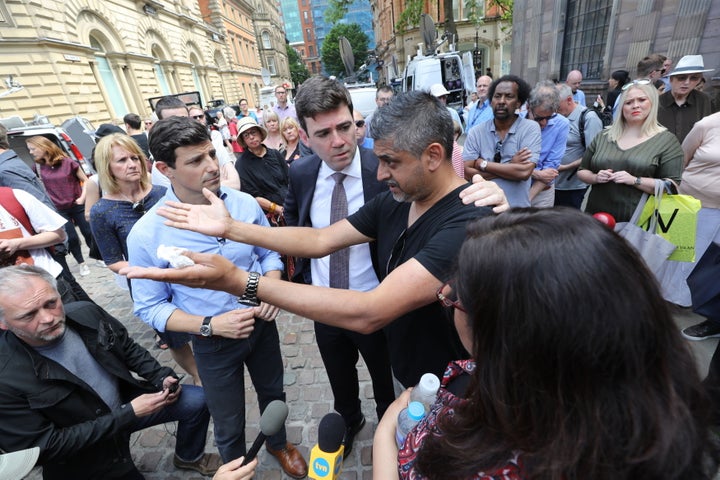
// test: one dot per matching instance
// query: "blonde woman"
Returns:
(291, 135)
(274, 138)
(624, 160)
(64, 181)
(127, 195)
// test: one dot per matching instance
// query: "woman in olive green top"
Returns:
(624, 160)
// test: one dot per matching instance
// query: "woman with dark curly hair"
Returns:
(577, 370)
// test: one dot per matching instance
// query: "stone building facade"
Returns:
(552, 37)
(101, 59)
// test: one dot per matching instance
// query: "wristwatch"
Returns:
(205, 328)
(483, 165)
(638, 181)
(249, 298)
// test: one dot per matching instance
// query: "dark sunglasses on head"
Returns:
(642, 81)
(360, 123)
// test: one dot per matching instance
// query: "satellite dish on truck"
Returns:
(265, 74)
(428, 32)
(348, 59)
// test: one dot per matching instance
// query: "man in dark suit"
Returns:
(309, 203)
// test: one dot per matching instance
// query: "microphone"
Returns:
(327, 456)
(271, 421)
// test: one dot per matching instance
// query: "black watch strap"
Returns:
(250, 296)
(206, 328)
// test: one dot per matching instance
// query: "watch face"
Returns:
(205, 330)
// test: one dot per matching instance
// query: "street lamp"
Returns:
(477, 56)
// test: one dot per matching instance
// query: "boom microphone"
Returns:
(271, 421)
(327, 456)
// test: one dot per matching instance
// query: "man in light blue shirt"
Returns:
(505, 149)
(480, 111)
(229, 332)
(570, 190)
(574, 79)
(543, 107)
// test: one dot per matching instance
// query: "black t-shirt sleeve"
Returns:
(365, 220)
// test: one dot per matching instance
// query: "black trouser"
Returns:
(69, 289)
(339, 350)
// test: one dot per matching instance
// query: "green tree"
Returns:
(331, 47)
(298, 71)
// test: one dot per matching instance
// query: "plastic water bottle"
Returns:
(426, 390)
(407, 419)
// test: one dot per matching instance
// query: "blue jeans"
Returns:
(191, 413)
(221, 364)
(75, 215)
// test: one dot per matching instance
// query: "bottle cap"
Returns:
(416, 411)
(429, 382)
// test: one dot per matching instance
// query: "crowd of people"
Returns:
(396, 241)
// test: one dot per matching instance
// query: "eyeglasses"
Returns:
(542, 119)
(396, 253)
(139, 207)
(642, 81)
(447, 297)
(685, 78)
(498, 152)
(250, 133)
(198, 117)
(360, 123)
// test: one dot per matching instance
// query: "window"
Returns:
(267, 45)
(305, 15)
(586, 30)
(271, 65)
(308, 35)
(311, 51)
(107, 76)
(462, 8)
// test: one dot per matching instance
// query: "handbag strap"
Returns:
(659, 188)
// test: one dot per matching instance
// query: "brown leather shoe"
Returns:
(206, 465)
(291, 461)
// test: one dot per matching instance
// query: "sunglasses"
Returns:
(396, 253)
(198, 117)
(360, 123)
(642, 81)
(139, 206)
(684, 78)
(447, 296)
(542, 119)
(498, 152)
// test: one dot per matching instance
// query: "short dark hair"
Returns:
(429, 122)
(173, 132)
(602, 383)
(523, 87)
(243, 100)
(384, 88)
(649, 64)
(320, 94)
(166, 103)
(133, 119)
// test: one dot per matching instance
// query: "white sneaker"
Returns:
(84, 270)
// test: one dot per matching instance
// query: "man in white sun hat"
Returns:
(682, 105)
(438, 91)
(15, 465)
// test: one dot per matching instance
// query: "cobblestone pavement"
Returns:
(306, 385)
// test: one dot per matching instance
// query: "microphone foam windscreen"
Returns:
(331, 432)
(273, 418)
